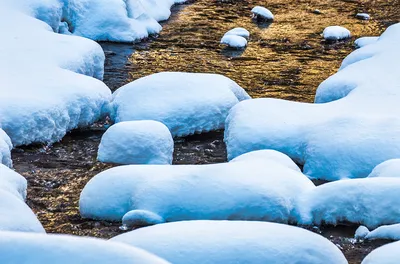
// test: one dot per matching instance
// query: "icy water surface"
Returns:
(286, 59)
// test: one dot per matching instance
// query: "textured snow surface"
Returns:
(263, 185)
(234, 41)
(53, 95)
(187, 103)
(238, 31)
(62, 249)
(15, 215)
(369, 202)
(353, 126)
(364, 41)
(262, 12)
(390, 232)
(387, 254)
(389, 168)
(137, 142)
(5, 149)
(336, 33)
(195, 242)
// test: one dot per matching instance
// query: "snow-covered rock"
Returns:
(389, 168)
(364, 41)
(387, 254)
(137, 142)
(262, 13)
(193, 242)
(234, 41)
(389, 232)
(238, 31)
(353, 126)
(15, 215)
(61, 249)
(363, 16)
(54, 95)
(263, 185)
(370, 202)
(5, 149)
(187, 103)
(333, 33)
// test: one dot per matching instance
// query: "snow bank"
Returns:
(101, 20)
(187, 103)
(233, 242)
(53, 95)
(234, 41)
(333, 33)
(334, 139)
(239, 31)
(359, 201)
(5, 149)
(387, 254)
(137, 142)
(249, 188)
(390, 232)
(364, 41)
(262, 13)
(15, 215)
(389, 168)
(62, 249)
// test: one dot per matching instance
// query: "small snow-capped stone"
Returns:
(239, 31)
(260, 12)
(234, 41)
(363, 16)
(364, 41)
(137, 142)
(336, 33)
(361, 232)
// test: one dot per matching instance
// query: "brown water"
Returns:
(286, 59)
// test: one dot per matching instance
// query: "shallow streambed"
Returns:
(287, 59)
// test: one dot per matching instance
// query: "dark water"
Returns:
(286, 59)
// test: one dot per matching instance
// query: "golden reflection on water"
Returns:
(286, 59)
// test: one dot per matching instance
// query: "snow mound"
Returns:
(389, 232)
(352, 127)
(251, 188)
(187, 103)
(389, 168)
(233, 242)
(387, 254)
(334, 33)
(5, 149)
(137, 142)
(364, 41)
(239, 31)
(363, 16)
(234, 41)
(63, 249)
(359, 201)
(54, 96)
(15, 215)
(262, 13)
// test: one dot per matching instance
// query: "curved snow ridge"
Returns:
(187, 103)
(389, 168)
(54, 95)
(256, 187)
(387, 254)
(5, 149)
(15, 214)
(368, 202)
(192, 242)
(344, 138)
(62, 249)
